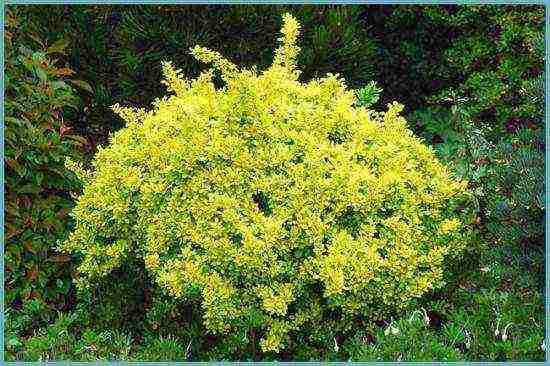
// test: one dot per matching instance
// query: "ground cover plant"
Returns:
(477, 99)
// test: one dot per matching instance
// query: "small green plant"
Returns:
(368, 95)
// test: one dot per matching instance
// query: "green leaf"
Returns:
(77, 138)
(13, 342)
(82, 85)
(368, 95)
(58, 46)
(41, 74)
(29, 188)
(58, 85)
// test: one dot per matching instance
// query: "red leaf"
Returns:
(29, 221)
(64, 72)
(26, 202)
(62, 213)
(28, 246)
(63, 129)
(12, 233)
(31, 274)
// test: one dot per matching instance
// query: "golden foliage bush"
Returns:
(271, 200)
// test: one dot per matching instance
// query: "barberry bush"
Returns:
(282, 207)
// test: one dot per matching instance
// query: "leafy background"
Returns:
(471, 78)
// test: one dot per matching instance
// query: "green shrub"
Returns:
(281, 206)
(491, 125)
(39, 134)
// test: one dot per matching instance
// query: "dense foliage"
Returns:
(470, 78)
(125, 45)
(38, 137)
(492, 124)
(271, 200)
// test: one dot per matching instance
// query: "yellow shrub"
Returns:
(254, 196)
